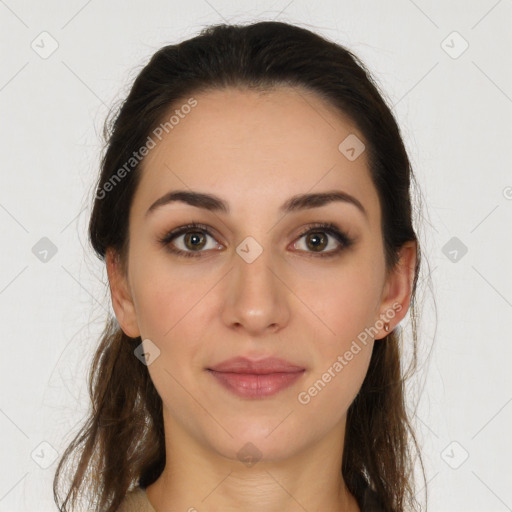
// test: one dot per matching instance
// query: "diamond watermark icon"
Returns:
(454, 455)
(249, 249)
(147, 352)
(44, 455)
(351, 147)
(44, 250)
(249, 454)
(454, 45)
(454, 249)
(44, 45)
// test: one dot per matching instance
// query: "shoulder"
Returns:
(136, 501)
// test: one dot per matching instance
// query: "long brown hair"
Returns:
(122, 442)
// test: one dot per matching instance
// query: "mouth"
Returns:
(263, 378)
(256, 385)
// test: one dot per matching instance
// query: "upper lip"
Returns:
(260, 366)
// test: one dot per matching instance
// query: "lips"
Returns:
(247, 378)
(257, 367)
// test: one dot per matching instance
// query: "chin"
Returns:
(258, 442)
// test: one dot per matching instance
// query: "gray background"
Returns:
(65, 63)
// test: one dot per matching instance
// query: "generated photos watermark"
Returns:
(304, 397)
(144, 150)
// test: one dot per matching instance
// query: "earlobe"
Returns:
(398, 289)
(122, 302)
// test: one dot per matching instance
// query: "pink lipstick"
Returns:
(256, 379)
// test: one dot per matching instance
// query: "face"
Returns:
(257, 279)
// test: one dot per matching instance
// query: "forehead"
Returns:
(270, 145)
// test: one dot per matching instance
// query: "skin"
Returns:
(256, 151)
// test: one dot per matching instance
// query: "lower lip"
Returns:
(249, 385)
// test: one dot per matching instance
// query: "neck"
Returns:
(194, 478)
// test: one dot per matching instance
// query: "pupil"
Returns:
(318, 238)
(194, 238)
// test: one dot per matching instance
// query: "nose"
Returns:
(256, 296)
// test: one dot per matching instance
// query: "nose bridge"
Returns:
(256, 296)
(254, 269)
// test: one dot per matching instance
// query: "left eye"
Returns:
(317, 241)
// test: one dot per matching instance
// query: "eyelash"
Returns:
(323, 227)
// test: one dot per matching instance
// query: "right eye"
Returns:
(193, 242)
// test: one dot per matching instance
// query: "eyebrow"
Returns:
(214, 203)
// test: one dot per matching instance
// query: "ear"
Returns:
(396, 295)
(122, 301)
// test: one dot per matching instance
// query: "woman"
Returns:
(254, 214)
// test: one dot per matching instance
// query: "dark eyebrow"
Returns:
(296, 203)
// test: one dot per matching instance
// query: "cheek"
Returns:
(344, 309)
(166, 299)
(336, 381)
(169, 313)
(342, 304)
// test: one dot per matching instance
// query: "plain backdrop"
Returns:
(444, 67)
